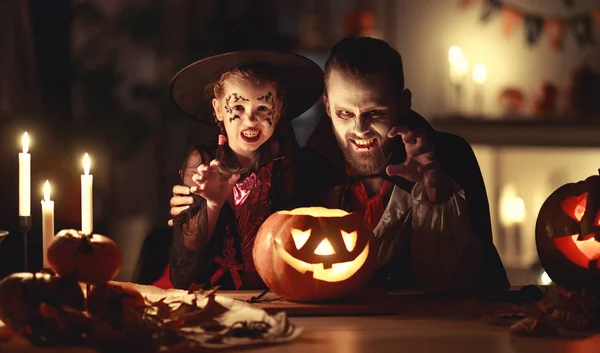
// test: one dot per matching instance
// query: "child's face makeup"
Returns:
(247, 110)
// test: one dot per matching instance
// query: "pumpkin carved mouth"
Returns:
(580, 252)
(338, 272)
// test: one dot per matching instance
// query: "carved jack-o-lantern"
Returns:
(568, 235)
(314, 253)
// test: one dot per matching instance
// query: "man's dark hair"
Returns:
(366, 58)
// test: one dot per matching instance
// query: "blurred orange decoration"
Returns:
(359, 22)
(510, 18)
(511, 100)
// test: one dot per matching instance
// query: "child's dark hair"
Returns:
(265, 73)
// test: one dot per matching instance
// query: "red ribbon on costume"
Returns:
(222, 139)
(374, 207)
(242, 189)
(233, 266)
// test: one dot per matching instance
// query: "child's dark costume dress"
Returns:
(226, 259)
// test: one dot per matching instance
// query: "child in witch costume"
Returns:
(245, 176)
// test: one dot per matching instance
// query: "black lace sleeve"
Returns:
(189, 229)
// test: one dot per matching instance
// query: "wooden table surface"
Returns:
(419, 334)
(419, 323)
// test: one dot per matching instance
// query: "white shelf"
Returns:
(547, 133)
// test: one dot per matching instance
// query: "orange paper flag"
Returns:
(510, 18)
(597, 16)
(556, 32)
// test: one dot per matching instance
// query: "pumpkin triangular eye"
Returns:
(574, 206)
(349, 240)
(300, 237)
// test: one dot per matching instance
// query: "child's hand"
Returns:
(212, 185)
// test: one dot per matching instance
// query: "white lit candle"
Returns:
(479, 76)
(458, 64)
(87, 211)
(47, 222)
(512, 216)
(25, 178)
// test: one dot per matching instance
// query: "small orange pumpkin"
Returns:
(93, 259)
(21, 298)
(109, 301)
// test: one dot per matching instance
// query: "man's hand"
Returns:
(181, 200)
(420, 164)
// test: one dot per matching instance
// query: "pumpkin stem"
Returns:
(85, 246)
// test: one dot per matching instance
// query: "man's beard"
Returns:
(367, 162)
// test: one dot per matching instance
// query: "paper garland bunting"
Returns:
(582, 29)
(581, 26)
(510, 19)
(556, 32)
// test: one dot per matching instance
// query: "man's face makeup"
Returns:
(362, 114)
(247, 110)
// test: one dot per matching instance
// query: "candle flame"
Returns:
(454, 54)
(479, 73)
(86, 164)
(25, 142)
(47, 191)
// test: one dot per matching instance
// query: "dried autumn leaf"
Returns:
(195, 288)
(533, 327)
(590, 306)
(208, 292)
(210, 312)
(183, 309)
(55, 325)
(193, 315)
(571, 320)
(545, 306)
(163, 310)
(570, 300)
(593, 314)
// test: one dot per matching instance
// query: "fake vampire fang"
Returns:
(250, 135)
(364, 144)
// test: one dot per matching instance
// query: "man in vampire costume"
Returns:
(421, 190)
